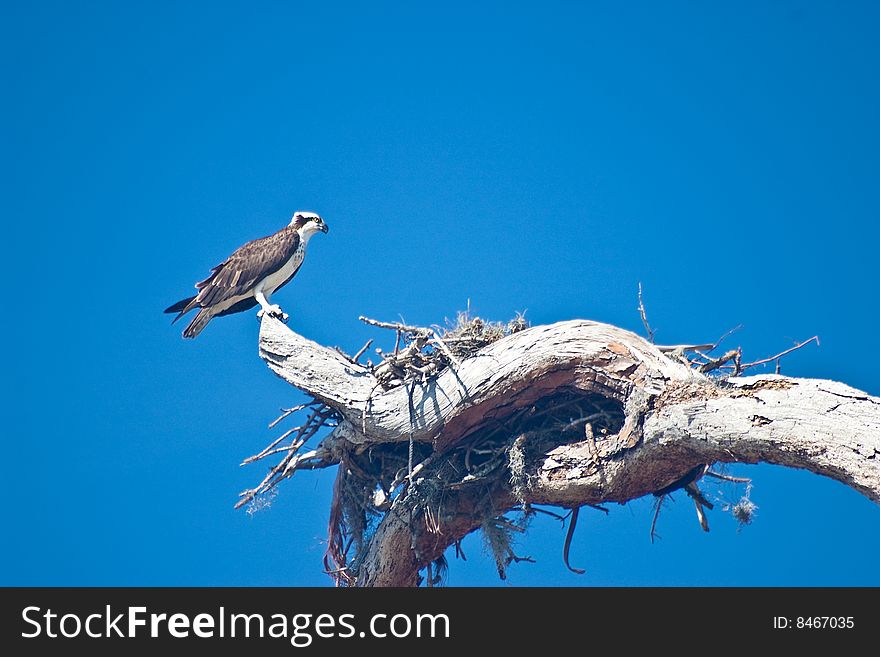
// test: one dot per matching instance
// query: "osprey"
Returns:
(251, 274)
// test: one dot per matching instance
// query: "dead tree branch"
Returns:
(571, 414)
(644, 315)
(776, 358)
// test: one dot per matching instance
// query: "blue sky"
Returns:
(541, 157)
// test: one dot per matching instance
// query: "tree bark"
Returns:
(674, 419)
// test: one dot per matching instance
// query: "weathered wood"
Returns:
(322, 372)
(509, 373)
(676, 419)
(821, 426)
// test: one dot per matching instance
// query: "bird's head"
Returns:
(308, 223)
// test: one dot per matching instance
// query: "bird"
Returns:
(251, 275)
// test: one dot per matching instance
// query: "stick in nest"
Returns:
(432, 335)
(320, 416)
(572, 524)
(644, 316)
(799, 345)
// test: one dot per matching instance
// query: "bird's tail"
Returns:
(182, 307)
(199, 322)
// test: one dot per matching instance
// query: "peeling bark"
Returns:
(675, 420)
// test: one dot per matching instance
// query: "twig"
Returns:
(291, 461)
(590, 438)
(702, 355)
(446, 350)
(335, 571)
(535, 509)
(725, 336)
(572, 524)
(815, 339)
(669, 348)
(724, 477)
(699, 348)
(511, 557)
(266, 451)
(397, 326)
(644, 316)
(278, 450)
(311, 460)
(734, 356)
(367, 404)
(362, 351)
(504, 522)
(701, 515)
(412, 413)
(288, 411)
(574, 424)
(657, 507)
(700, 501)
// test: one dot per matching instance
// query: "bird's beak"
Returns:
(324, 228)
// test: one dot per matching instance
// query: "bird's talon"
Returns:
(273, 311)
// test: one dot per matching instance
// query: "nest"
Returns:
(421, 353)
(467, 335)
(494, 457)
(491, 456)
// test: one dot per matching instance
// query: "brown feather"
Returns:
(249, 264)
(237, 276)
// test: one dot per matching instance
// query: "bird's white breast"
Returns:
(276, 279)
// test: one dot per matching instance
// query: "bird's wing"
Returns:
(240, 272)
